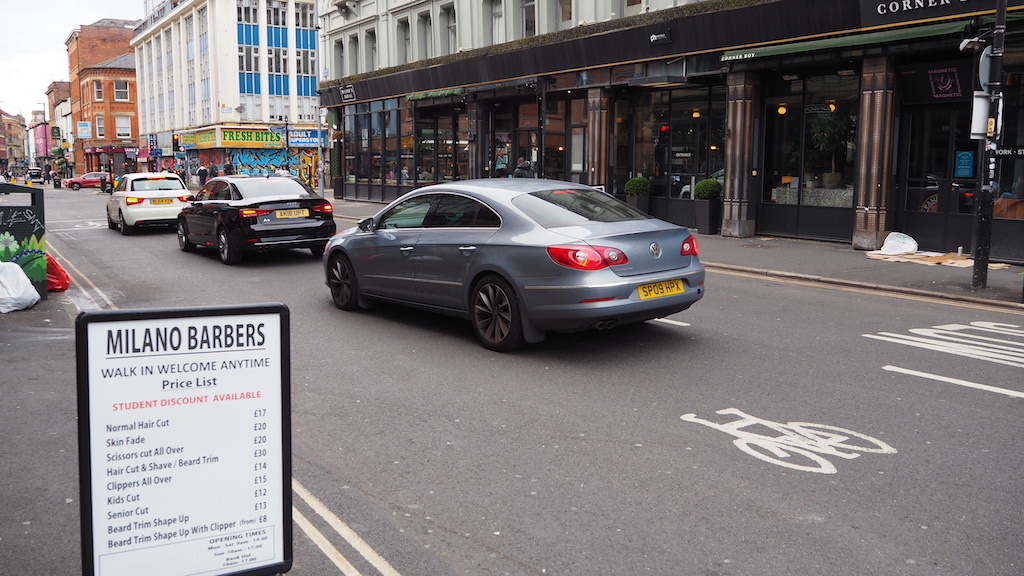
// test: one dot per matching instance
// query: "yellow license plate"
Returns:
(659, 289)
(162, 201)
(297, 213)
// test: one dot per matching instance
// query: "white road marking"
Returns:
(956, 381)
(672, 322)
(963, 340)
(344, 531)
(84, 291)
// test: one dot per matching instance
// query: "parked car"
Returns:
(246, 213)
(87, 180)
(146, 199)
(34, 175)
(517, 258)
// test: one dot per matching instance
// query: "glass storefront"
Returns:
(810, 141)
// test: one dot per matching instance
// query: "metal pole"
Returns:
(979, 277)
(319, 123)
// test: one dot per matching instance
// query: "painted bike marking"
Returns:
(804, 439)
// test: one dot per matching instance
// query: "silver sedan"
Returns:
(517, 258)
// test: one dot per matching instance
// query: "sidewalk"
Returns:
(833, 263)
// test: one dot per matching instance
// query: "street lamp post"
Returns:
(983, 230)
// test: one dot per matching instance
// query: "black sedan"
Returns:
(255, 213)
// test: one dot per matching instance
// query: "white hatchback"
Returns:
(146, 199)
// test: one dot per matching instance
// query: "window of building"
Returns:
(371, 50)
(247, 11)
(304, 16)
(451, 42)
(810, 136)
(121, 90)
(426, 41)
(404, 41)
(277, 14)
(124, 126)
(97, 90)
(529, 18)
(99, 126)
(497, 22)
(565, 10)
(277, 60)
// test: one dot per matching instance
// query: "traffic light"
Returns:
(176, 139)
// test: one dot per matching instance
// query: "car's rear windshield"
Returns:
(573, 206)
(262, 186)
(157, 183)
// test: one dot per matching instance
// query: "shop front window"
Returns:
(810, 141)
(651, 147)
(1009, 197)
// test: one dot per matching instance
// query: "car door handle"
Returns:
(467, 248)
(406, 249)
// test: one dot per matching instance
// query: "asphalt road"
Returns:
(417, 452)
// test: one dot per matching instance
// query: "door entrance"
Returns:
(939, 178)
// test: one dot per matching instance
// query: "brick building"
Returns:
(95, 49)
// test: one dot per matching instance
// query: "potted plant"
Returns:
(637, 190)
(707, 205)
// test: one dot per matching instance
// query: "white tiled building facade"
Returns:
(366, 35)
(220, 73)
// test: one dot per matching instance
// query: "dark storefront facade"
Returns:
(836, 121)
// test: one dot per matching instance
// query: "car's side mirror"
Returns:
(366, 224)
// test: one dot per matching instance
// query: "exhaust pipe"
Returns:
(604, 324)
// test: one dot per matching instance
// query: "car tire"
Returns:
(125, 228)
(110, 222)
(341, 278)
(228, 255)
(76, 186)
(318, 251)
(495, 315)
(184, 243)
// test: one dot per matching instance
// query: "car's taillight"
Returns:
(131, 200)
(324, 208)
(689, 247)
(183, 198)
(253, 212)
(586, 257)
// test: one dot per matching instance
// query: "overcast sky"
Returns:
(32, 50)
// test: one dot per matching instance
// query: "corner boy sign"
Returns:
(185, 441)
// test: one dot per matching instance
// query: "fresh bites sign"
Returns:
(232, 138)
(883, 12)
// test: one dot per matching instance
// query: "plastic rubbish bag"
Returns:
(897, 243)
(57, 279)
(16, 290)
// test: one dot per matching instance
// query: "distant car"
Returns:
(685, 191)
(146, 199)
(248, 213)
(517, 258)
(34, 175)
(87, 180)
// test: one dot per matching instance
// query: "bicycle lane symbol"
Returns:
(798, 445)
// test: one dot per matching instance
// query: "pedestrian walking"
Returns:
(523, 169)
(203, 175)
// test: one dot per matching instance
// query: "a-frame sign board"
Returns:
(185, 441)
